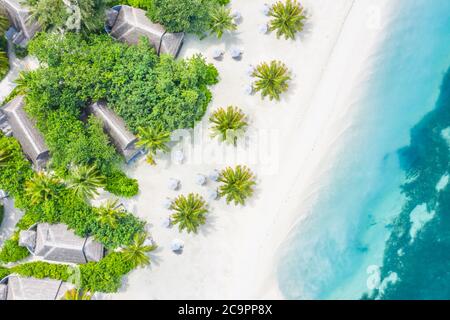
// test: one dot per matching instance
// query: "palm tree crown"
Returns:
(190, 212)
(137, 252)
(77, 294)
(237, 184)
(272, 79)
(153, 139)
(85, 180)
(228, 123)
(42, 187)
(221, 21)
(109, 214)
(288, 18)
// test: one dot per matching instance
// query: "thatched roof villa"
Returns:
(116, 128)
(25, 132)
(128, 24)
(21, 288)
(23, 26)
(55, 242)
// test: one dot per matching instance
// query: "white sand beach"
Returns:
(290, 148)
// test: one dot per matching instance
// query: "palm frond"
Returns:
(221, 21)
(237, 184)
(228, 124)
(287, 18)
(190, 212)
(272, 79)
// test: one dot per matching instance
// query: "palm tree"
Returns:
(77, 294)
(5, 155)
(272, 79)
(21, 83)
(221, 21)
(228, 123)
(85, 180)
(137, 252)
(190, 212)
(237, 185)
(288, 18)
(42, 187)
(153, 139)
(109, 213)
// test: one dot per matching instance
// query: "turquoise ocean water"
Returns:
(381, 227)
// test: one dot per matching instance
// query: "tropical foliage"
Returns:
(153, 139)
(42, 188)
(228, 124)
(4, 157)
(288, 18)
(237, 184)
(84, 181)
(221, 21)
(271, 79)
(77, 294)
(4, 61)
(72, 15)
(189, 212)
(109, 213)
(137, 252)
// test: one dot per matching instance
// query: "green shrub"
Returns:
(119, 184)
(105, 275)
(41, 270)
(12, 252)
(4, 272)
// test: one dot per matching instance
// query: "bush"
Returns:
(4, 272)
(119, 184)
(105, 275)
(41, 270)
(12, 252)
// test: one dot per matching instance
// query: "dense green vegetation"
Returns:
(189, 212)
(272, 79)
(288, 18)
(4, 62)
(228, 124)
(81, 15)
(153, 139)
(236, 184)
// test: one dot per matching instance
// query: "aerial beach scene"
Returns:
(224, 149)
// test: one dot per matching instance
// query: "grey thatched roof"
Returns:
(25, 132)
(21, 288)
(24, 27)
(131, 24)
(116, 128)
(55, 242)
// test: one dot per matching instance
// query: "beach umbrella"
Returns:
(200, 179)
(217, 53)
(236, 16)
(167, 203)
(178, 156)
(249, 89)
(148, 241)
(177, 245)
(173, 184)
(166, 223)
(266, 9)
(263, 28)
(214, 175)
(213, 195)
(235, 53)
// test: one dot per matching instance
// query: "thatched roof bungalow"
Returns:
(21, 288)
(129, 24)
(116, 128)
(25, 132)
(55, 242)
(23, 27)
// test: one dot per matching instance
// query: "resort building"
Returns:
(21, 288)
(24, 130)
(116, 128)
(23, 27)
(55, 242)
(129, 24)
